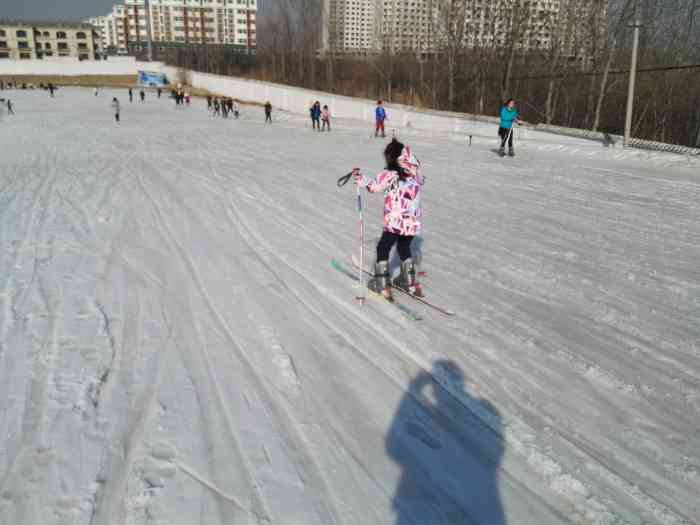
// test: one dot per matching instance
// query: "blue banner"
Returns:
(151, 79)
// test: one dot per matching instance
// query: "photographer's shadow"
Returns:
(449, 458)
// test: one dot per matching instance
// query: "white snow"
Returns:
(175, 347)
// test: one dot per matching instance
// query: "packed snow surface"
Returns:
(175, 347)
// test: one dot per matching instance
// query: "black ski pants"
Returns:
(386, 243)
(506, 134)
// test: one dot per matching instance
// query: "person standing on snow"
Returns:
(268, 112)
(316, 115)
(10, 111)
(131, 95)
(217, 107)
(236, 109)
(97, 91)
(115, 106)
(142, 94)
(326, 118)
(380, 117)
(509, 116)
(402, 185)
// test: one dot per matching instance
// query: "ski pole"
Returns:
(361, 297)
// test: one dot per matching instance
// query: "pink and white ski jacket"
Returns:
(402, 198)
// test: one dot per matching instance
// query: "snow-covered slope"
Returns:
(175, 347)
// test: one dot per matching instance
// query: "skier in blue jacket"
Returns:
(380, 117)
(509, 116)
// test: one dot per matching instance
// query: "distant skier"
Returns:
(10, 111)
(160, 92)
(509, 116)
(316, 116)
(187, 98)
(142, 94)
(115, 107)
(131, 95)
(268, 112)
(380, 117)
(236, 109)
(97, 91)
(217, 107)
(326, 118)
(209, 102)
(401, 184)
(52, 88)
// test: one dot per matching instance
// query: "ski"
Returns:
(408, 312)
(421, 300)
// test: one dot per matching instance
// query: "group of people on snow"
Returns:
(320, 115)
(223, 106)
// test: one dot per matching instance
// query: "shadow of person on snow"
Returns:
(449, 457)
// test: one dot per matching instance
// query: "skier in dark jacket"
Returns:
(268, 112)
(316, 115)
(131, 95)
(10, 111)
(509, 116)
(143, 96)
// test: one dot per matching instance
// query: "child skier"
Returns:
(380, 117)
(509, 116)
(326, 118)
(401, 184)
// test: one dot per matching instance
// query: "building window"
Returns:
(62, 46)
(47, 45)
(21, 34)
(47, 34)
(82, 45)
(4, 55)
(23, 45)
(80, 35)
(2, 32)
(38, 45)
(25, 56)
(62, 35)
(3, 44)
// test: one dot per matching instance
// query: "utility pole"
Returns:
(633, 79)
(149, 36)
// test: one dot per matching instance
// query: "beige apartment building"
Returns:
(37, 40)
(367, 26)
(228, 22)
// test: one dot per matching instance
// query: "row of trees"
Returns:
(566, 66)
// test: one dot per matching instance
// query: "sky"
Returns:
(64, 10)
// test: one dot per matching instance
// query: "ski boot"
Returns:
(407, 279)
(501, 151)
(380, 282)
(511, 152)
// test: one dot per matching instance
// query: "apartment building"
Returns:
(365, 26)
(36, 40)
(227, 22)
(108, 31)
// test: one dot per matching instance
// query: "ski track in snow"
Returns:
(175, 348)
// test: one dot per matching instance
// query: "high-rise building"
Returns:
(226, 22)
(366, 26)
